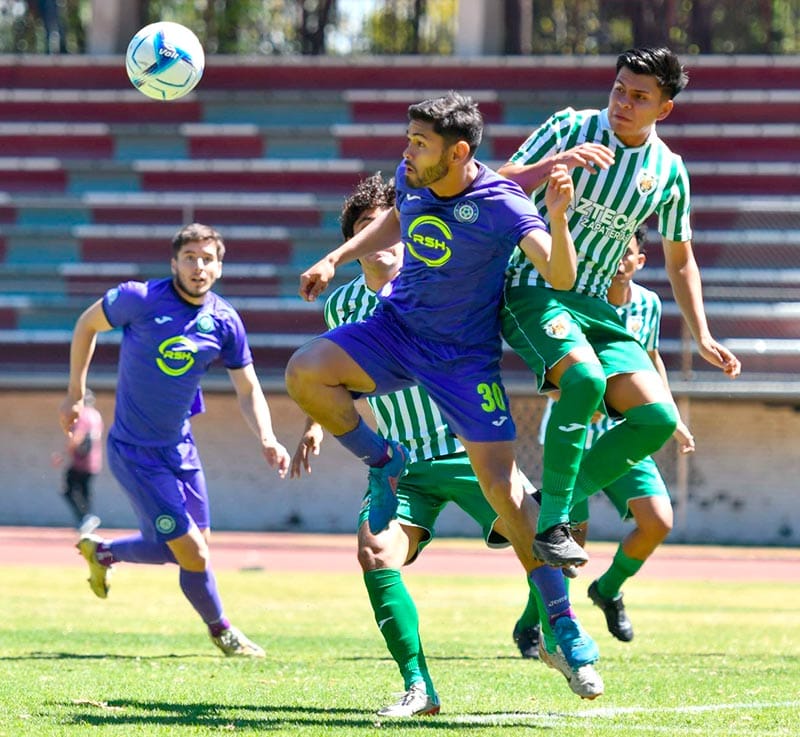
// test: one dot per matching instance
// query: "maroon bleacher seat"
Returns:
(105, 111)
(286, 320)
(244, 180)
(66, 145)
(226, 145)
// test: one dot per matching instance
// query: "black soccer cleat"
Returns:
(556, 547)
(527, 640)
(616, 618)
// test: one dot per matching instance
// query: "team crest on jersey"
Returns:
(205, 324)
(634, 325)
(466, 212)
(558, 327)
(645, 182)
(165, 524)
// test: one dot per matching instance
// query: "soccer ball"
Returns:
(164, 60)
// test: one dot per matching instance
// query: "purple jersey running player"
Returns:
(173, 330)
(438, 326)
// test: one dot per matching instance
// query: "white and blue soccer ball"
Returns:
(165, 60)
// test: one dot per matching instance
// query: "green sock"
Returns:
(645, 430)
(582, 387)
(530, 616)
(396, 616)
(620, 570)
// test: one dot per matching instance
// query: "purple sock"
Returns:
(366, 444)
(553, 590)
(200, 588)
(135, 549)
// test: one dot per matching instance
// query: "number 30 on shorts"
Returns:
(493, 397)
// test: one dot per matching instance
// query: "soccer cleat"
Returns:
(570, 571)
(233, 643)
(527, 640)
(616, 618)
(98, 573)
(576, 645)
(413, 703)
(383, 488)
(556, 547)
(584, 680)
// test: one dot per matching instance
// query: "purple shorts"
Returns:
(464, 381)
(165, 485)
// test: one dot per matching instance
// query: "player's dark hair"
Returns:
(455, 117)
(195, 232)
(659, 62)
(369, 193)
(641, 237)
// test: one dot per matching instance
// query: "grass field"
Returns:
(708, 659)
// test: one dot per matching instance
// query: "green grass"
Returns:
(708, 659)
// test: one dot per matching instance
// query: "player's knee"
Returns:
(653, 516)
(586, 379)
(657, 420)
(301, 370)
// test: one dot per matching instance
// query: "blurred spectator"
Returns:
(85, 459)
(50, 11)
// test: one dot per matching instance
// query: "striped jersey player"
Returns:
(573, 340)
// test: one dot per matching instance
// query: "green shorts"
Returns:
(429, 486)
(643, 480)
(542, 325)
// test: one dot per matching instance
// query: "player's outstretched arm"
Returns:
(554, 255)
(255, 410)
(684, 276)
(84, 339)
(382, 232)
(589, 156)
(309, 445)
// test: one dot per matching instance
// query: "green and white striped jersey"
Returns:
(610, 204)
(408, 416)
(642, 318)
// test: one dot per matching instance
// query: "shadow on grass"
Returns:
(97, 656)
(266, 716)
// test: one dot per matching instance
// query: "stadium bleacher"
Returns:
(96, 178)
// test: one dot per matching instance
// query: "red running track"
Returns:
(278, 551)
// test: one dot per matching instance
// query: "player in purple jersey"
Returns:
(438, 326)
(173, 330)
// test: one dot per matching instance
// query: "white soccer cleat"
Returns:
(413, 703)
(88, 524)
(98, 573)
(234, 644)
(584, 680)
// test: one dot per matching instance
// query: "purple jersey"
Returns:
(456, 253)
(167, 346)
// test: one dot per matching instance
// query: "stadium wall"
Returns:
(741, 484)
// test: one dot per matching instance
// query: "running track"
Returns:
(336, 554)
